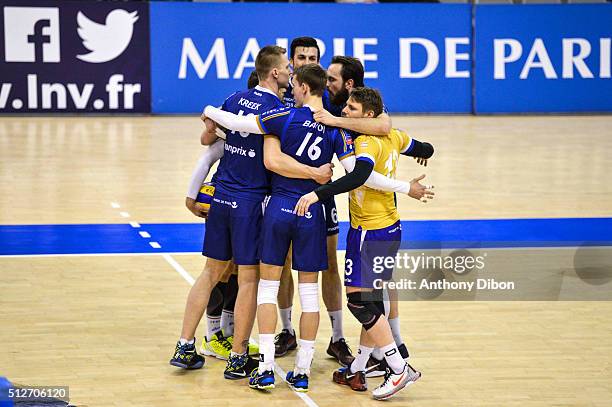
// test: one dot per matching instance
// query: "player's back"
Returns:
(241, 170)
(371, 208)
(309, 142)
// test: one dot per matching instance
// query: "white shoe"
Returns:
(395, 382)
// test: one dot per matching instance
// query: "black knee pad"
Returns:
(231, 292)
(215, 302)
(367, 312)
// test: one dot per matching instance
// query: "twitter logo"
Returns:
(106, 41)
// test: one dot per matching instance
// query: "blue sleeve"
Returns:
(343, 144)
(226, 102)
(273, 121)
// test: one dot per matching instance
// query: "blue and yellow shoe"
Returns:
(240, 367)
(298, 382)
(262, 381)
(253, 348)
(186, 357)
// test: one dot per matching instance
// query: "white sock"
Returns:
(184, 341)
(336, 323)
(377, 354)
(266, 352)
(393, 357)
(361, 360)
(213, 326)
(285, 314)
(304, 357)
(395, 330)
(227, 323)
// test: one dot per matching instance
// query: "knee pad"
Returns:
(366, 312)
(215, 302)
(229, 300)
(267, 292)
(309, 296)
(386, 302)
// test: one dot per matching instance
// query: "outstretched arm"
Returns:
(277, 161)
(377, 126)
(377, 180)
(247, 124)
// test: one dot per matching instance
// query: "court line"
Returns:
(179, 269)
(191, 281)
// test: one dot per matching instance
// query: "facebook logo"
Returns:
(31, 34)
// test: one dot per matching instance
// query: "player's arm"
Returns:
(410, 147)
(247, 124)
(350, 181)
(277, 161)
(210, 156)
(377, 126)
(209, 134)
(377, 180)
(383, 183)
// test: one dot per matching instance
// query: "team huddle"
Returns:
(273, 210)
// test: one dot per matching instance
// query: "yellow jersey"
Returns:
(370, 208)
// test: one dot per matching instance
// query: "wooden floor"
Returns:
(106, 325)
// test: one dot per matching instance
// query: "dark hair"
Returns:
(267, 59)
(314, 76)
(351, 69)
(253, 80)
(369, 98)
(306, 42)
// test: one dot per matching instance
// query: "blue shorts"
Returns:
(233, 229)
(281, 227)
(366, 252)
(331, 216)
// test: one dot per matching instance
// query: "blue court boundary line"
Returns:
(419, 234)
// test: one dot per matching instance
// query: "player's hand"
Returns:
(323, 174)
(325, 117)
(421, 161)
(304, 203)
(194, 208)
(419, 191)
(211, 127)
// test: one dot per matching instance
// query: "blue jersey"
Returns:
(307, 141)
(288, 99)
(241, 170)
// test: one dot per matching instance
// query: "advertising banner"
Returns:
(80, 56)
(417, 55)
(543, 58)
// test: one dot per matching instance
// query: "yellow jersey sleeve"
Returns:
(404, 140)
(367, 148)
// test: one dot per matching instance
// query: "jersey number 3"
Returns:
(314, 151)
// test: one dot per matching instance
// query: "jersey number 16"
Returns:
(314, 151)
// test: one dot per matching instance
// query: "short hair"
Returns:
(352, 68)
(369, 98)
(253, 80)
(314, 76)
(267, 59)
(306, 42)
